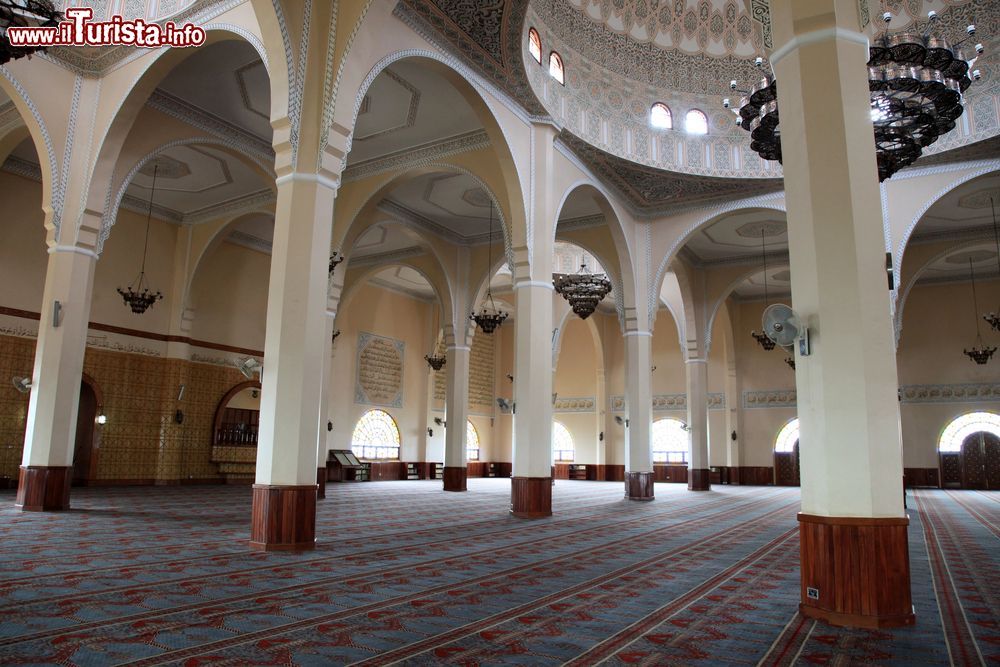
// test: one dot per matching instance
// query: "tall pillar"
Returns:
(639, 412)
(855, 565)
(47, 465)
(697, 405)
(531, 481)
(322, 433)
(457, 407)
(284, 497)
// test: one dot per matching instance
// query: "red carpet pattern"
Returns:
(405, 573)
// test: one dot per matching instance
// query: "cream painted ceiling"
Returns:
(966, 206)
(737, 237)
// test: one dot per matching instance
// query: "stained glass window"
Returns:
(562, 443)
(670, 441)
(471, 441)
(556, 69)
(696, 122)
(962, 427)
(376, 436)
(787, 437)
(660, 117)
(535, 45)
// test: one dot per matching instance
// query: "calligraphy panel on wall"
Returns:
(380, 371)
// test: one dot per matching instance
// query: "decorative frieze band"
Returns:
(770, 398)
(661, 402)
(575, 404)
(950, 393)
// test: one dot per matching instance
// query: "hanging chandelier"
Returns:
(916, 81)
(436, 361)
(24, 14)
(583, 290)
(992, 317)
(138, 296)
(488, 319)
(336, 257)
(979, 353)
(761, 337)
(791, 362)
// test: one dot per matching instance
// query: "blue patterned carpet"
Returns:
(405, 573)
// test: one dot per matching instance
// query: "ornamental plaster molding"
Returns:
(250, 144)
(972, 392)
(770, 398)
(49, 151)
(387, 258)
(670, 402)
(574, 404)
(412, 157)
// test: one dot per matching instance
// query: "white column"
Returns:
(697, 405)
(639, 413)
(47, 464)
(853, 524)
(457, 407)
(296, 342)
(531, 491)
(322, 434)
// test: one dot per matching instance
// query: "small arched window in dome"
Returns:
(556, 69)
(535, 45)
(660, 117)
(696, 122)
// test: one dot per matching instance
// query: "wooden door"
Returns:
(786, 467)
(991, 456)
(974, 461)
(86, 419)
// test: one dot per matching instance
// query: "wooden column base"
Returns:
(855, 571)
(699, 479)
(531, 497)
(43, 488)
(639, 485)
(283, 518)
(321, 482)
(455, 478)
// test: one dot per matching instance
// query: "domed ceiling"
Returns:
(621, 56)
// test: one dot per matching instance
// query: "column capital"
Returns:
(328, 181)
(520, 284)
(87, 252)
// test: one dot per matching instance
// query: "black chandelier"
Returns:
(791, 362)
(979, 353)
(488, 319)
(583, 290)
(23, 14)
(138, 296)
(916, 81)
(436, 361)
(992, 317)
(760, 336)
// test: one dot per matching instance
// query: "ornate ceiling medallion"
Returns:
(915, 81)
(583, 290)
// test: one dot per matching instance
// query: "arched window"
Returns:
(962, 427)
(556, 69)
(670, 441)
(535, 45)
(660, 117)
(696, 122)
(562, 443)
(471, 441)
(376, 436)
(787, 437)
